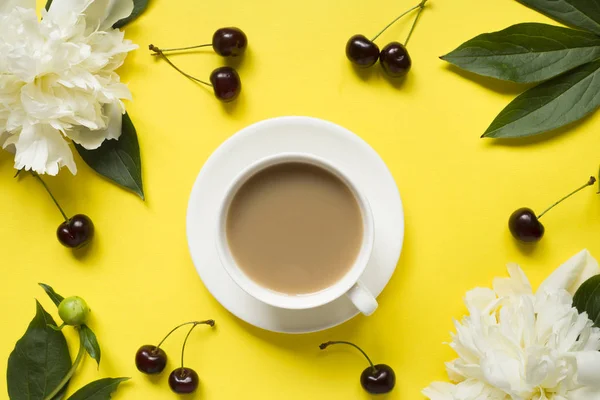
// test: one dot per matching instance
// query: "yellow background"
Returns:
(458, 191)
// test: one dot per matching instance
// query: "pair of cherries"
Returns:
(225, 81)
(394, 58)
(152, 360)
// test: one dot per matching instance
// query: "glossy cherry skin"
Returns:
(226, 84)
(76, 232)
(395, 60)
(525, 226)
(184, 380)
(229, 42)
(150, 360)
(378, 381)
(361, 51)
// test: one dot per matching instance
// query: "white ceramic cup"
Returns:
(348, 285)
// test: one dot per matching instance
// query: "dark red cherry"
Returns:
(75, 232)
(378, 379)
(395, 60)
(226, 84)
(525, 226)
(361, 51)
(150, 360)
(184, 380)
(229, 42)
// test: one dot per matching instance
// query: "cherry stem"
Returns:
(51, 195)
(186, 48)
(412, 28)
(71, 371)
(323, 346)
(160, 53)
(207, 322)
(588, 183)
(422, 4)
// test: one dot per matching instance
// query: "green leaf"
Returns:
(526, 53)
(118, 160)
(90, 343)
(98, 390)
(587, 299)
(139, 6)
(55, 297)
(550, 105)
(48, 4)
(39, 361)
(584, 14)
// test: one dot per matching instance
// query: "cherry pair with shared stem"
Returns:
(394, 57)
(225, 81)
(152, 360)
(525, 225)
(75, 232)
(375, 379)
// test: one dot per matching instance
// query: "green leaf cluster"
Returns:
(564, 62)
(41, 360)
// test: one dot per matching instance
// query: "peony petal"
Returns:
(586, 393)
(439, 391)
(42, 149)
(517, 284)
(118, 9)
(572, 273)
(59, 8)
(588, 368)
(92, 139)
(102, 14)
(7, 5)
(480, 298)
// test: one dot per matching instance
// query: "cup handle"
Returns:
(362, 299)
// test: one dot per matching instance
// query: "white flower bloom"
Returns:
(516, 345)
(58, 80)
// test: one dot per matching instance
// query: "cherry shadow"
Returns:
(397, 83)
(83, 253)
(527, 249)
(364, 73)
(155, 379)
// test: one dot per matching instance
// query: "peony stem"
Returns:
(71, 371)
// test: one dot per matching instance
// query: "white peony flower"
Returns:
(516, 345)
(58, 80)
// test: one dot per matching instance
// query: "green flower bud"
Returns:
(74, 311)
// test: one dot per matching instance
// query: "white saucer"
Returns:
(293, 134)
